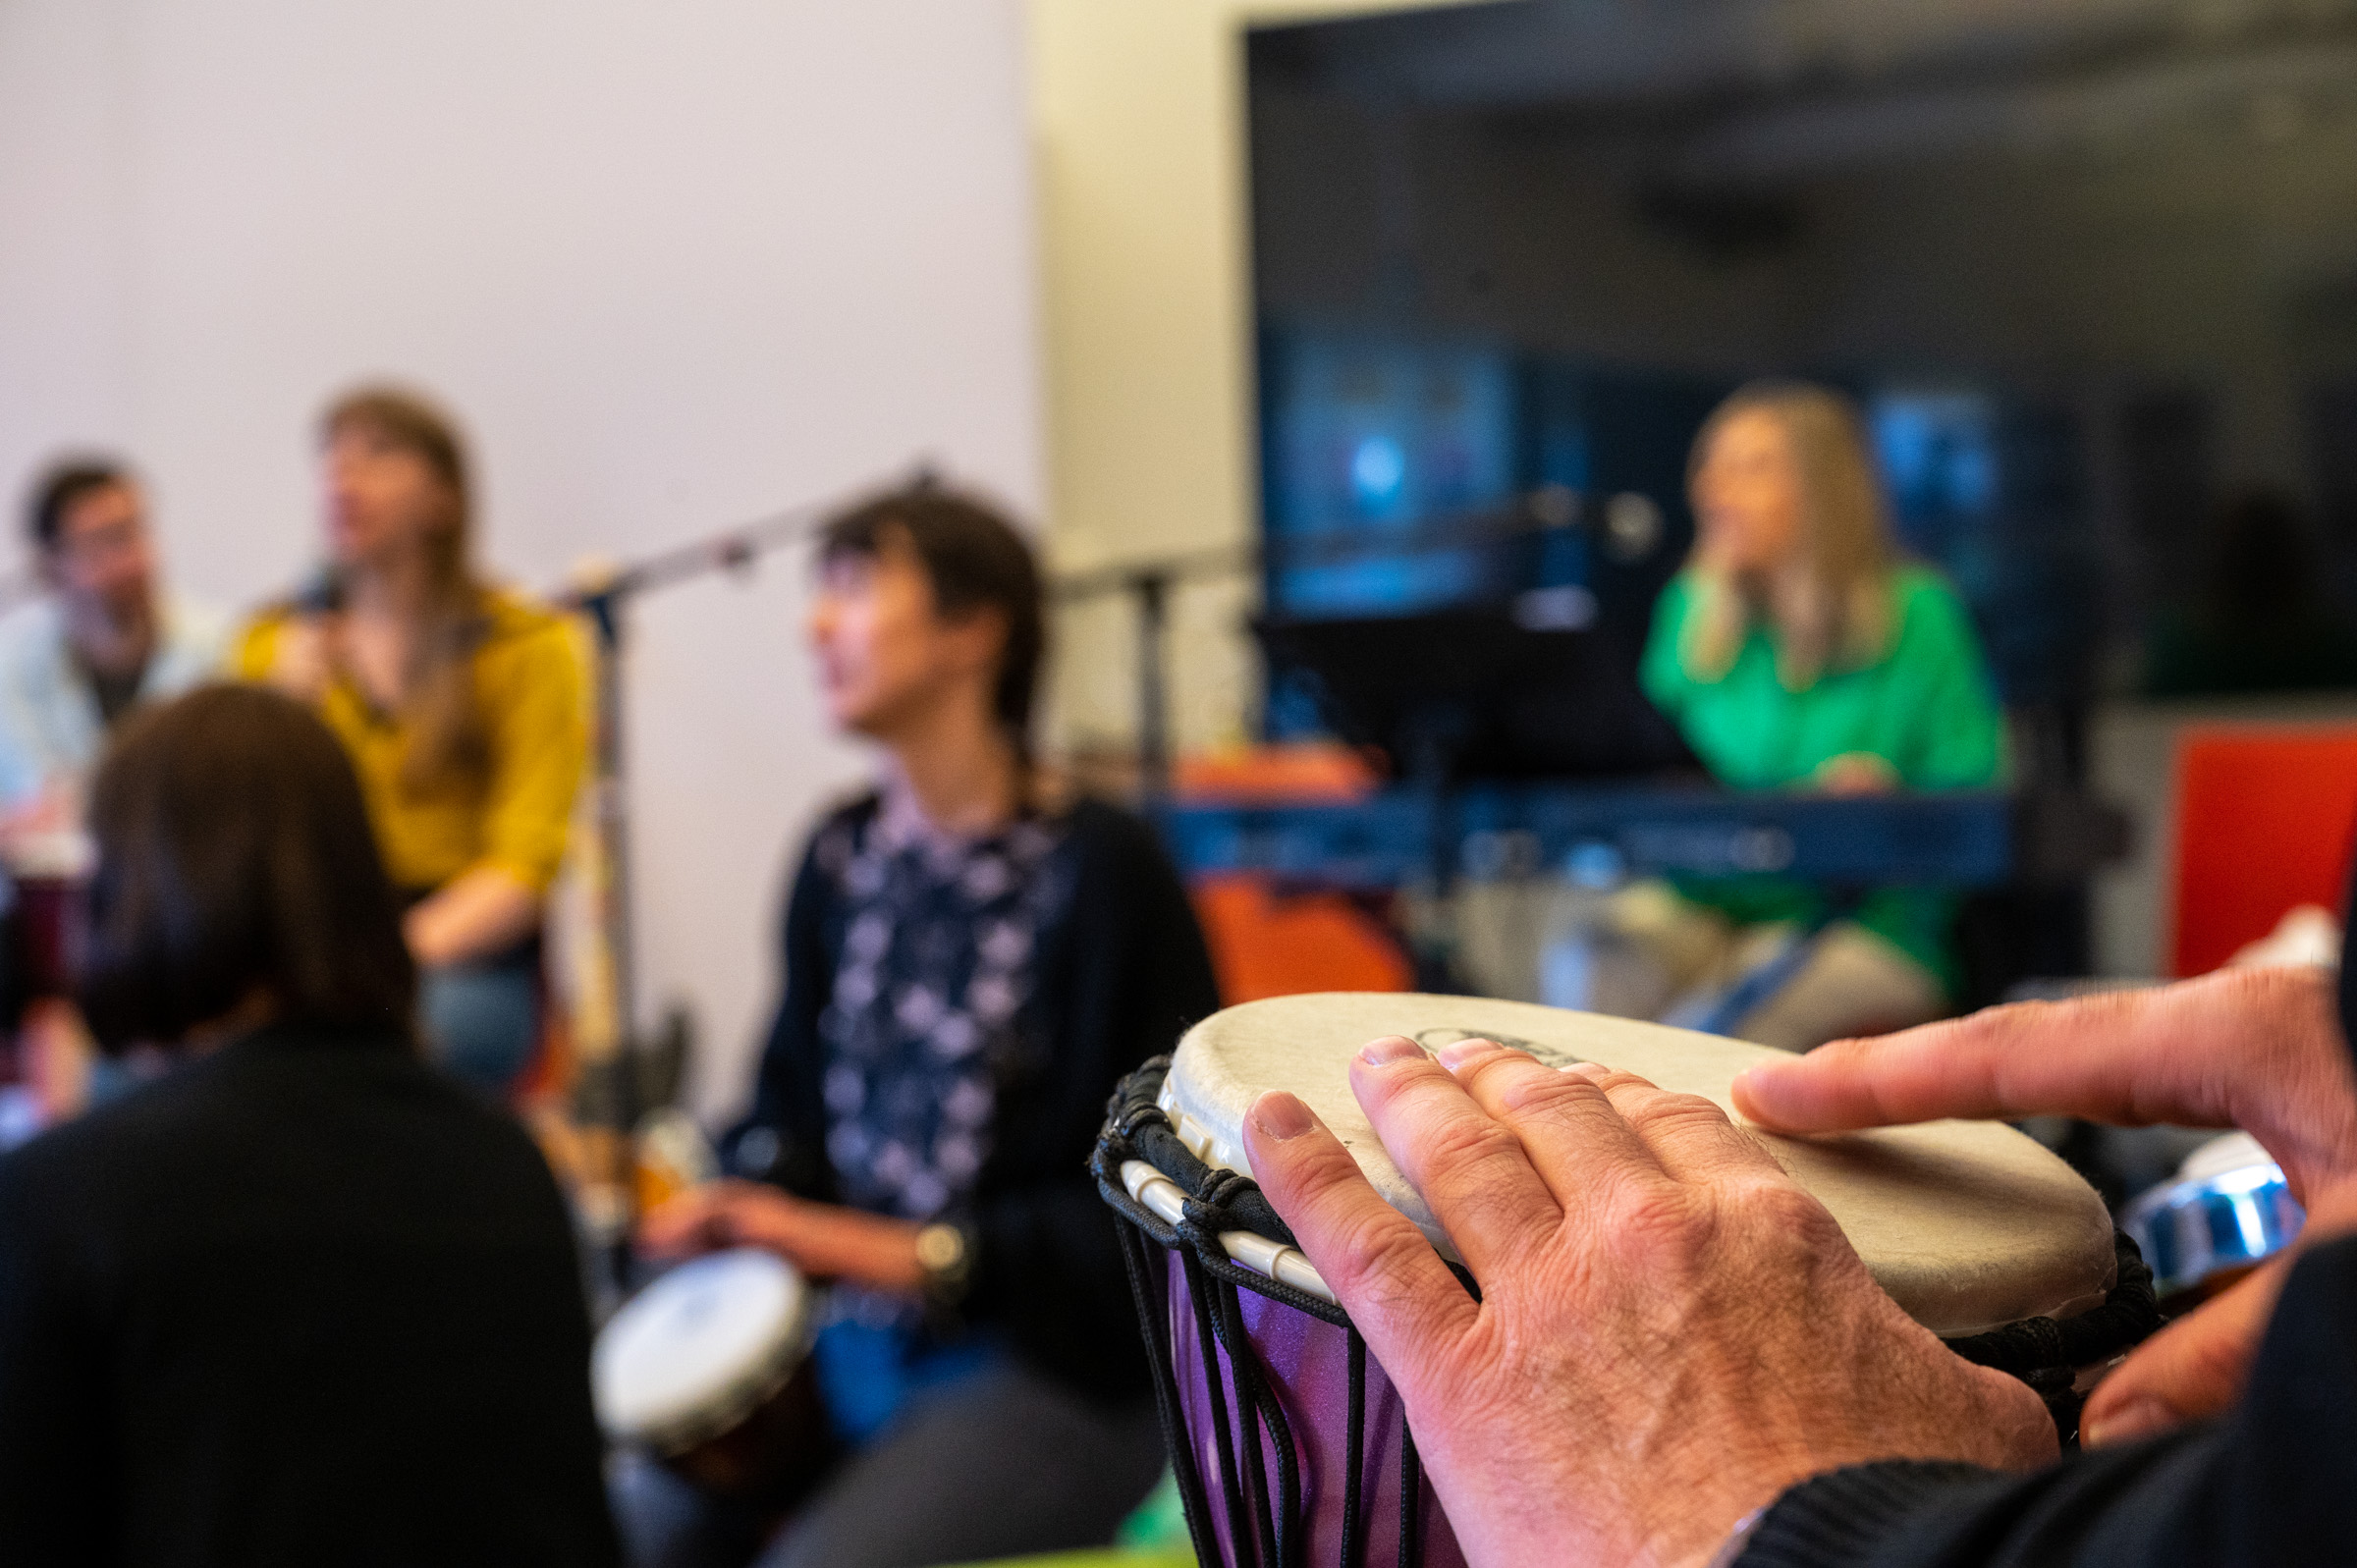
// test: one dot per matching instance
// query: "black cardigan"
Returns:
(304, 1301)
(1119, 976)
(2270, 1484)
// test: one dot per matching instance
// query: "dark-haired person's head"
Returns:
(926, 597)
(87, 523)
(236, 879)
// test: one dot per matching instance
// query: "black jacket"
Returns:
(304, 1301)
(2272, 1483)
(1119, 977)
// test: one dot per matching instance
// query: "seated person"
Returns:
(969, 967)
(302, 1300)
(1794, 651)
(464, 707)
(103, 638)
(1678, 1359)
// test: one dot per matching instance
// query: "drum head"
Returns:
(1969, 1225)
(698, 1349)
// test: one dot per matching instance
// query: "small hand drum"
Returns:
(708, 1370)
(1289, 1447)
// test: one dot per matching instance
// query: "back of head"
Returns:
(63, 484)
(976, 561)
(236, 864)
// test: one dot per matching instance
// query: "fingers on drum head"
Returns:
(1472, 1169)
(1568, 1127)
(1366, 1251)
(1690, 1135)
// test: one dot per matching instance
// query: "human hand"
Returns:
(301, 666)
(2255, 1048)
(825, 1241)
(1670, 1332)
(32, 832)
(1856, 773)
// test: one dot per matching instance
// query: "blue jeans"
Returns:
(481, 1020)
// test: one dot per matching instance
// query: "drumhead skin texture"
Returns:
(695, 1350)
(1968, 1226)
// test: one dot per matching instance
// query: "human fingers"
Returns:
(2195, 1367)
(681, 1224)
(1688, 1135)
(1399, 1294)
(1571, 1129)
(1472, 1170)
(2129, 1057)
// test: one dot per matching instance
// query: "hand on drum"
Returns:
(2255, 1048)
(1670, 1330)
(825, 1241)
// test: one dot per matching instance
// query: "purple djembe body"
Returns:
(1305, 1363)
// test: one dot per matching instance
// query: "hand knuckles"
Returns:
(1671, 1113)
(1538, 1094)
(1777, 1207)
(1654, 1220)
(1468, 1141)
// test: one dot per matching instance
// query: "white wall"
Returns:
(676, 264)
(1138, 109)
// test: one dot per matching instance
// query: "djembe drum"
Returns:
(708, 1370)
(1289, 1444)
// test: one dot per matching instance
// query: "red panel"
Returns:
(2265, 820)
(1266, 944)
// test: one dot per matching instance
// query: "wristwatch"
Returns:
(946, 1255)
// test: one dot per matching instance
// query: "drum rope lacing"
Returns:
(2047, 1352)
(1265, 1530)
(2044, 1353)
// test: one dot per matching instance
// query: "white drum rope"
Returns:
(1273, 1259)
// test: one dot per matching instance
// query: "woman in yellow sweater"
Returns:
(463, 708)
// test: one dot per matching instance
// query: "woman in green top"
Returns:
(1797, 651)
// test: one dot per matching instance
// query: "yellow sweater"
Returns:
(532, 688)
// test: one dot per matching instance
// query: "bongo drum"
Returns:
(1288, 1442)
(707, 1370)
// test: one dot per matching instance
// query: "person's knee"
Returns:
(1854, 983)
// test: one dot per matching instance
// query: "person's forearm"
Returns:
(474, 915)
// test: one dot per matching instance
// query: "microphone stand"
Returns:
(605, 599)
(616, 1052)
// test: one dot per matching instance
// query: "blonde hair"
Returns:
(1830, 606)
(448, 741)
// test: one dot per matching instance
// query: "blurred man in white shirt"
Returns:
(101, 639)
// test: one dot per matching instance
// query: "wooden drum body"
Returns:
(1287, 1433)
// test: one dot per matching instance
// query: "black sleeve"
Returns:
(2274, 1483)
(787, 1101)
(1133, 976)
(54, 1453)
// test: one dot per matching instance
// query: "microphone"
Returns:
(322, 593)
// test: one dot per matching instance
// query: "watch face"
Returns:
(940, 1246)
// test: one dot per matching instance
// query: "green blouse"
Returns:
(1927, 708)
